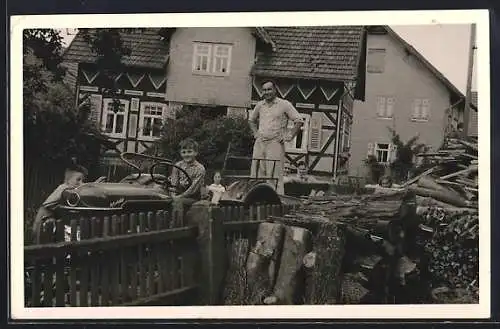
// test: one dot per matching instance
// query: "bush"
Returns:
(405, 154)
(376, 168)
(212, 134)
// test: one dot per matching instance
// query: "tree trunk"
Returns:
(261, 264)
(235, 288)
(353, 291)
(323, 266)
(297, 243)
(449, 198)
(430, 183)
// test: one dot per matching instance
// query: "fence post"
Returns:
(209, 220)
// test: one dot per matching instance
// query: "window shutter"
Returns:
(425, 109)
(389, 109)
(417, 103)
(134, 105)
(315, 132)
(291, 144)
(371, 149)
(380, 106)
(95, 108)
(393, 152)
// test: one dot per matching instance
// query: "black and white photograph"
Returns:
(243, 165)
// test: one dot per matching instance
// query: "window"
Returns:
(221, 59)
(151, 119)
(382, 152)
(421, 109)
(212, 58)
(201, 58)
(299, 143)
(115, 118)
(385, 107)
(375, 61)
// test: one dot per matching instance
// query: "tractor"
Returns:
(148, 190)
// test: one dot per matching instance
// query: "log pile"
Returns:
(447, 203)
(414, 244)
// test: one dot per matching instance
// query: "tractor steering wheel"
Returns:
(157, 161)
(165, 181)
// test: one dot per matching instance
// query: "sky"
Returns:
(445, 46)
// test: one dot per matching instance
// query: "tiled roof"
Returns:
(148, 49)
(316, 52)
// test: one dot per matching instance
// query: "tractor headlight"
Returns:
(72, 198)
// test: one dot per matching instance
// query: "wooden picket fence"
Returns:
(160, 257)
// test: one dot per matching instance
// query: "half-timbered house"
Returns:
(316, 68)
(320, 70)
(141, 89)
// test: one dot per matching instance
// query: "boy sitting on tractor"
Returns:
(74, 176)
(179, 181)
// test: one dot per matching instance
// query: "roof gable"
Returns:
(313, 52)
(148, 49)
(412, 51)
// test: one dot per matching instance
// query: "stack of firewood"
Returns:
(414, 244)
(447, 200)
(452, 176)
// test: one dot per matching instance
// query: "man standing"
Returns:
(272, 114)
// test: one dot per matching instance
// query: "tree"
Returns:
(403, 163)
(55, 129)
(212, 134)
(110, 48)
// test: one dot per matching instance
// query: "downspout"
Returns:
(339, 120)
(472, 47)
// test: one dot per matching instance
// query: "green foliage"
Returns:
(212, 134)
(405, 154)
(376, 168)
(54, 129)
(110, 48)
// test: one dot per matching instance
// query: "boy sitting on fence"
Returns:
(196, 171)
(74, 176)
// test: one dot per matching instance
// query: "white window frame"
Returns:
(227, 57)
(212, 57)
(143, 116)
(388, 149)
(386, 111)
(290, 146)
(417, 110)
(197, 54)
(106, 104)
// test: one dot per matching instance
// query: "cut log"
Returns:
(416, 178)
(297, 243)
(430, 183)
(460, 172)
(353, 292)
(323, 275)
(261, 264)
(235, 287)
(453, 211)
(374, 209)
(430, 202)
(440, 196)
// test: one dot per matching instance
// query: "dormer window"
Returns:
(211, 58)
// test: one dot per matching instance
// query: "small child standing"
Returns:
(74, 176)
(216, 188)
